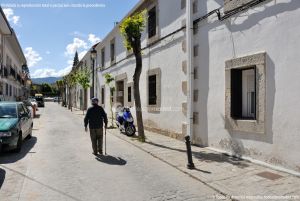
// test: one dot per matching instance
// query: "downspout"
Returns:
(190, 77)
(190, 70)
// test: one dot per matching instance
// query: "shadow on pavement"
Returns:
(2, 176)
(10, 157)
(209, 157)
(220, 158)
(111, 160)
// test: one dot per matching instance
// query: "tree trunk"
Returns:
(70, 101)
(136, 80)
(111, 108)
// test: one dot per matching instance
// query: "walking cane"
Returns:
(105, 141)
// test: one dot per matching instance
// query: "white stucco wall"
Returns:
(274, 28)
(166, 55)
(16, 86)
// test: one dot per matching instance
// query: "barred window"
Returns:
(152, 22)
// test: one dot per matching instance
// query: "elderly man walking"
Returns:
(95, 117)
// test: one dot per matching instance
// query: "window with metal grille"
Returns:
(152, 22)
(112, 51)
(152, 90)
(102, 95)
(103, 57)
(129, 94)
(243, 93)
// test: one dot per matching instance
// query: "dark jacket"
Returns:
(94, 117)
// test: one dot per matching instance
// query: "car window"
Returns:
(39, 99)
(8, 111)
(21, 110)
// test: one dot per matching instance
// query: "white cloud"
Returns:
(49, 72)
(81, 54)
(73, 47)
(32, 57)
(9, 13)
(48, 52)
(93, 39)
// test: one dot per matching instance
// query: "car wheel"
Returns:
(19, 144)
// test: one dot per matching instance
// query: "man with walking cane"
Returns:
(94, 118)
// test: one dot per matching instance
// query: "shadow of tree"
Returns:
(220, 158)
(111, 160)
(209, 157)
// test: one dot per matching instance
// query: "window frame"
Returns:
(157, 73)
(112, 51)
(156, 36)
(103, 57)
(247, 125)
(102, 100)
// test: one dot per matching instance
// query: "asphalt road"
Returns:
(57, 165)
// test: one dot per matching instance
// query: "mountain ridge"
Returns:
(48, 80)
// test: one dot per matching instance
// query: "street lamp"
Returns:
(93, 56)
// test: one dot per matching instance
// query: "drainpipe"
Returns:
(190, 71)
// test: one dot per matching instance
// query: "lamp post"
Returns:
(93, 56)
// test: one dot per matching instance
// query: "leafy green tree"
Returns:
(109, 82)
(131, 29)
(47, 89)
(83, 78)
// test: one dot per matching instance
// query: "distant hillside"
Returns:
(49, 80)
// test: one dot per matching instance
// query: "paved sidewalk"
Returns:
(234, 178)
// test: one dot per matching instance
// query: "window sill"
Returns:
(153, 108)
(153, 39)
(245, 125)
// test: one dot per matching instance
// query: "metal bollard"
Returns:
(190, 164)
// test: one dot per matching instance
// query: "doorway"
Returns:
(120, 92)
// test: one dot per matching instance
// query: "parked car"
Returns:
(40, 101)
(57, 99)
(48, 99)
(15, 125)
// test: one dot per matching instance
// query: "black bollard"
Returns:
(190, 164)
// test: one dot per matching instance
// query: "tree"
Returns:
(76, 60)
(108, 81)
(71, 81)
(60, 85)
(47, 89)
(83, 78)
(131, 29)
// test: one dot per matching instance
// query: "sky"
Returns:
(51, 34)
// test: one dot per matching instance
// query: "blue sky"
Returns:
(49, 36)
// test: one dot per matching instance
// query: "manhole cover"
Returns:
(269, 175)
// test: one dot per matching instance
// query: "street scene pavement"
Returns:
(58, 164)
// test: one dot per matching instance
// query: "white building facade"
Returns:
(245, 69)
(12, 84)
